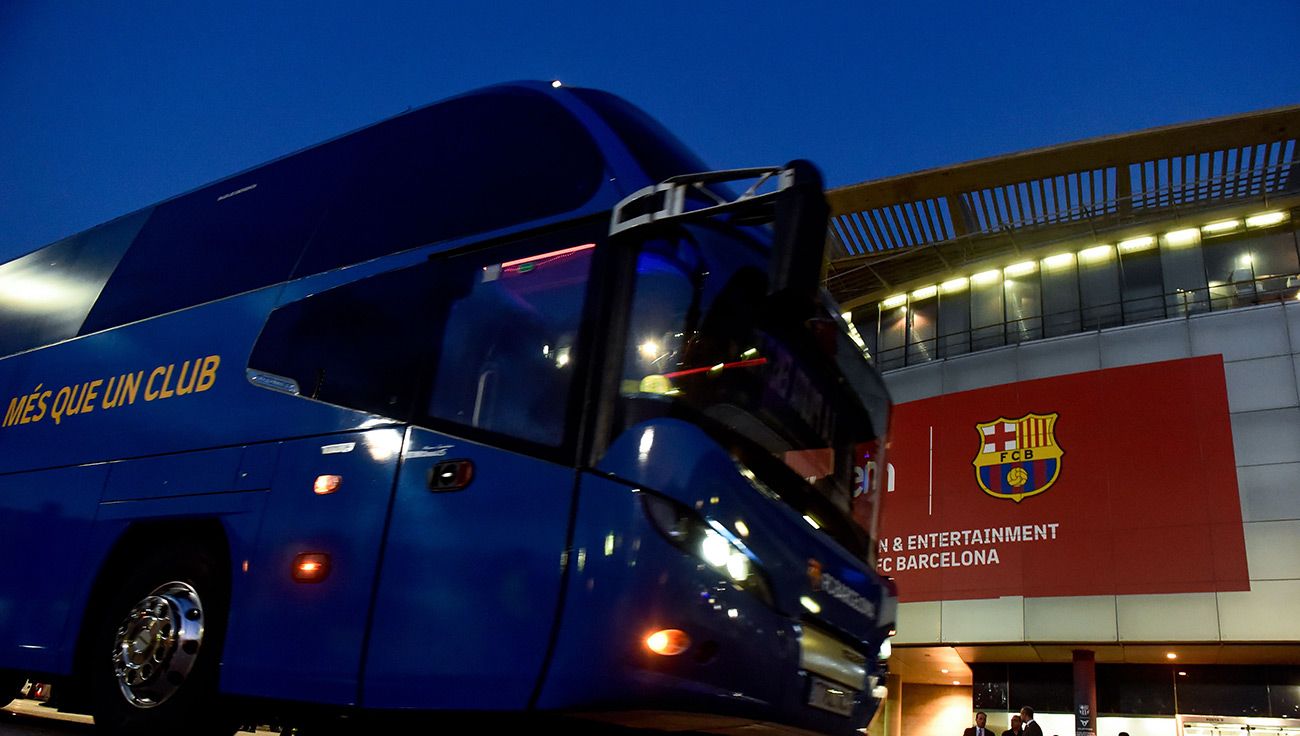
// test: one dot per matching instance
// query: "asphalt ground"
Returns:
(31, 718)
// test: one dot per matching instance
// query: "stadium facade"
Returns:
(1094, 470)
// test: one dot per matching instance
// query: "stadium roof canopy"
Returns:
(888, 233)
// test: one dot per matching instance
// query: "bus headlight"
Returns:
(707, 541)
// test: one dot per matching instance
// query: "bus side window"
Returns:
(506, 359)
(361, 345)
(46, 295)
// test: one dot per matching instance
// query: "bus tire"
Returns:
(154, 655)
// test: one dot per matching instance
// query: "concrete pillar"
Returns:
(1085, 693)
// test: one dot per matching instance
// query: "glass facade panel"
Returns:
(954, 322)
(1099, 288)
(1135, 689)
(1060, 298)
(1024, 306)
(1142, 285)
(988, 320)
(921, 329)
(1275, 261)
(893, 337)
(1175, 274)
(1229, 273)
(1224, 691)
(1184, 271)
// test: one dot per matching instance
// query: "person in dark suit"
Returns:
(978, 729)
(1027, 718)
(1016, 728)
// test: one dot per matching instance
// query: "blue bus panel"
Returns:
(401, 423)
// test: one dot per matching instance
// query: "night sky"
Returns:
(108, 107)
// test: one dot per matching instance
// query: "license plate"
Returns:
(831, 697)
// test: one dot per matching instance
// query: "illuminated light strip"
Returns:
(706, 369)
(552, 254)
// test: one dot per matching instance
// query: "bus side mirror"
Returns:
(799, 241)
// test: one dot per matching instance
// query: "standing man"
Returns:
(1027, 718)
(1016, 729)
(978, 729)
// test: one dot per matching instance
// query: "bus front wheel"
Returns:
(155, 654)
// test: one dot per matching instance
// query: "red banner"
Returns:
(1116, 481)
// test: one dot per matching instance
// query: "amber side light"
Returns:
(668, 642)
(311, 567)
(327, 484)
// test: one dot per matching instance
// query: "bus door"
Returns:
(470, 576)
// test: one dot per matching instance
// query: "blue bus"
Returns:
(502, 406)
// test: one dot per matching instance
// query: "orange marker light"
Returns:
(668, 642)
(311, 567)
(327, 484)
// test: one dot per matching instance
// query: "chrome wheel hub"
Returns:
(155, 647)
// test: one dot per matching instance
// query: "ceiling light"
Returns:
(1095, 253)
(896, 300)
(954, 285)
(925, 293)
(944, 671)
(1136, 244)
(1186, 236)
(1170, 655)
(986, 277)
(1060, 260)
(1221, 226)
(1265, 219)
(1020, 269)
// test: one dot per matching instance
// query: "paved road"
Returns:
(30, 718)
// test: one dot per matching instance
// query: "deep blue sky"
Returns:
(108, 107)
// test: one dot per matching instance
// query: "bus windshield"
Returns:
(704, 337)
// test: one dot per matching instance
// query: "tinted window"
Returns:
(1024, 306)
(469, 165)
(1099, 287)
(1184, 272)
(923, 315)
(505, 363)
(45, 296)
(1060, 299)
(986, 314)
(1047, 688)
(1142, 285)
(239, 234)
(954, 321)
(1284, 692)
(659, 153)
(359, 345)
(1224, 691)
(1135, 689)
(989, 686)
(489, 336)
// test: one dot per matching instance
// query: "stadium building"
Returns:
(1093, 479)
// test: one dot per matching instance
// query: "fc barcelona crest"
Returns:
(1018, 458)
